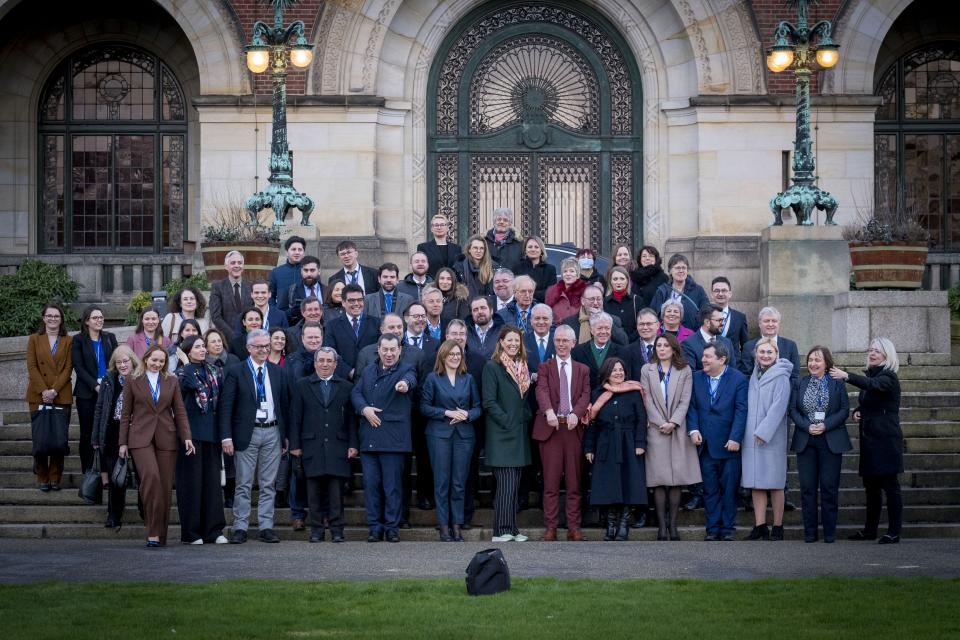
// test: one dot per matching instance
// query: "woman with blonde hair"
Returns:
(620, 302)
(475, 269)
(534, 264)
(564, 296)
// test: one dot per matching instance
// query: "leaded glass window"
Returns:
(112, 125)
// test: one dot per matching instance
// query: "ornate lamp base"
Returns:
(802, 198)
(281, 198)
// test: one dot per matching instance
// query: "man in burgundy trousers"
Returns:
(563, 393)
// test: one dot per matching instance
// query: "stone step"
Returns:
(918, 399)
(928, 372)
(135, 533)
(929, 384)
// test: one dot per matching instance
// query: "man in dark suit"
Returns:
(388, 299)
(307, 286)
(770, 328)
(716, 422)
(710, 319)
(230, 296)
(734, 326)
(591, 304)
(595, 351)
(563, 393)
(415, 335)
(251, 413)
(311, 310)
(353, 330)
(640, 351)
(383, 396)
(323, 431)
(517, 312)
(353, 272)
(272, 318)
(418, 278)
(483, 327)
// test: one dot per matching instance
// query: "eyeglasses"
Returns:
(417, 316)
(354, 300)
(258, 347)
(50, 316)
(647, 324)
(91, 317)
(454, 355)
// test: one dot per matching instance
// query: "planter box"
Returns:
(258, 259)
(893, 265)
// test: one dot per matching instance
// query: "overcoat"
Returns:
(768, 400)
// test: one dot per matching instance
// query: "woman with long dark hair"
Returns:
(250, 319)
(147, 334)
(90, 352)
(456, 297)
(475, 269)
(186, 304)
(648, 275)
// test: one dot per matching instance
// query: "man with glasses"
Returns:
(353, 272)
(517, 312)
(641, 351)
(734, 326)
(591, 304)
(354, 330)
(251, 414)
(502, 288)
(711, 319)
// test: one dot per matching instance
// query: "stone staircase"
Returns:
(931, 483)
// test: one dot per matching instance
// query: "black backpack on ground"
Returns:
(487, 573)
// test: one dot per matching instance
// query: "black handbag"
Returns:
(120, 476)
(298, 471)
(49, 428)
(488, 573)
(283, 472)
(91, 485)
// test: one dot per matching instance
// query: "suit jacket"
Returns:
(416, 358)
(370, 282)
(224, 313)
(837, 411)
(583, 353)
(438, 395)
(323, 429)
(489, 338)
(48, 371)
(617, 334)
(509, 316)
(736, 330)
(375, 305)
(788, 350)
(340, 336)
(722, 420)
(548, 396)
(85, 361)
(533, 352)
(694, 345)
(438, 258)
(143, 423)
(375, 387)
(238, 403)
(293, 297)
(635, 355)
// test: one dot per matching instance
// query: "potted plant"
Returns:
(888, 245)
(230, 229)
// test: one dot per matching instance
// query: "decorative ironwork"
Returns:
(535, 80)
(499, 181)
(52, 196)
(621, 199)
(931, 84)
(570, 199)
(172, 196)
(618, 76)
(447, 196)
(114, 83)
(52, 104)
(172, 105)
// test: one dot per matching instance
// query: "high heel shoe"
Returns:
(445, 534)
(456, 535)
(776, 533)
(759, 533)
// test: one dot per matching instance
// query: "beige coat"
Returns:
(671, 459)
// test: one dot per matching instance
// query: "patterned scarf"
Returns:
(208, 385)
(518, 371)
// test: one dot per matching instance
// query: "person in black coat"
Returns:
(649, 275)
(881, 439)
(683, 288)
(440, 251)
(819, 409)
(353, 272)
(199, 497)
(90, 352)
(503, 245)
(621, 303)
(534, 264)
(250, 319)
(770, 328)
(598, 349)
(353, 331)
(734, 325)
(323, 431)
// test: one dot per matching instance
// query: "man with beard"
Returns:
(418, 278)
(388, 299)
(309, 286)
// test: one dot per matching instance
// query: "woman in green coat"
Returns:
(506, 382)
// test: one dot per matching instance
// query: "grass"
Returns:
(440, 609)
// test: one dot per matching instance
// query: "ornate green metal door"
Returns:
(535, 106)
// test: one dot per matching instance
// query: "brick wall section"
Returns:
(249, 11)
(769, 13)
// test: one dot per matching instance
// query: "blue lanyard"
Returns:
(154, 391)
(53, 349)
(261, 386)
(666, 384)
(713, 391)
(101, 361)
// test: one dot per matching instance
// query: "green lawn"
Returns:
(835, 608)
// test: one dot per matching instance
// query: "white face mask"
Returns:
(586, 263)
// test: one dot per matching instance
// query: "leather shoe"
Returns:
(111, 523)
(393, 536)
(695, 502)
(641, 519)
(374, 537)
(550, 535)
(153, 544)
(888, 539)
(45, 487)
(316, 536)
(267, 535)
(404, 525)
(789, 506)
(336, 537)
(575, 535)
(239, 536)
(860, 535)
(299, 524)
(711, 537)
(55, 486)
(728, 537)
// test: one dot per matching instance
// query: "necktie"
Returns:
(356, 326)
(155, 391)
(261, 391)
(388, 300)
(723, 325)
(325, 385)
(649, 352)
(542, 348)
(564, 392)
(236, 295)
(353, 277)
(415, 341)
(714, 383)
(713, 339)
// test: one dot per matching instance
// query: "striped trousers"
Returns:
(505, 500)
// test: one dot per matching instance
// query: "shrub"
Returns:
(34, 285)
(198, 280)
(136, 306)
(953, 297)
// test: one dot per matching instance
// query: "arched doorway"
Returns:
(112, 129)
(536, 106)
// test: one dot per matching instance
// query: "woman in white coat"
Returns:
(671, 458)
(764, 452)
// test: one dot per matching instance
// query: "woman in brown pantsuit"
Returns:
(49, 365)
(153, 416)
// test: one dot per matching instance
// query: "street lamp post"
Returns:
(802, 47)
(268, 49)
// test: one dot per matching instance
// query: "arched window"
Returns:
(112, 135)
(917, 139)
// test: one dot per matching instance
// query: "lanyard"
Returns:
(154, 391)
(101, 361)
(665, 380)
(712, 390)
(53, 349)
(261, 385)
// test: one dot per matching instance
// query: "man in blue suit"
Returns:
(354, 330)
(770, 328)
(734, 325)
(716, 422)
(711, 321)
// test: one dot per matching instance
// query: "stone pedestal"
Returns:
(801, 270)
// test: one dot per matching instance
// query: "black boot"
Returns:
(759, 533)
(777, 532)
(623, 530)
(611, 525)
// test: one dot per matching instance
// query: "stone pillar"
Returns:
(801, 270)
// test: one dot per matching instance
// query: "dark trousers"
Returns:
(450, 458)
(818, 467)
(297, 496)
(505, 501)
(86, 408)
(155, 467)
(116, 497)
(199, 495)
(561, 456)
(325, 500)
(876, 486)
(383, 490)
(721, 477)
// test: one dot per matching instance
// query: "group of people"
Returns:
(614, 388)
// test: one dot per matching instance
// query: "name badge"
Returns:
(819, 415)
